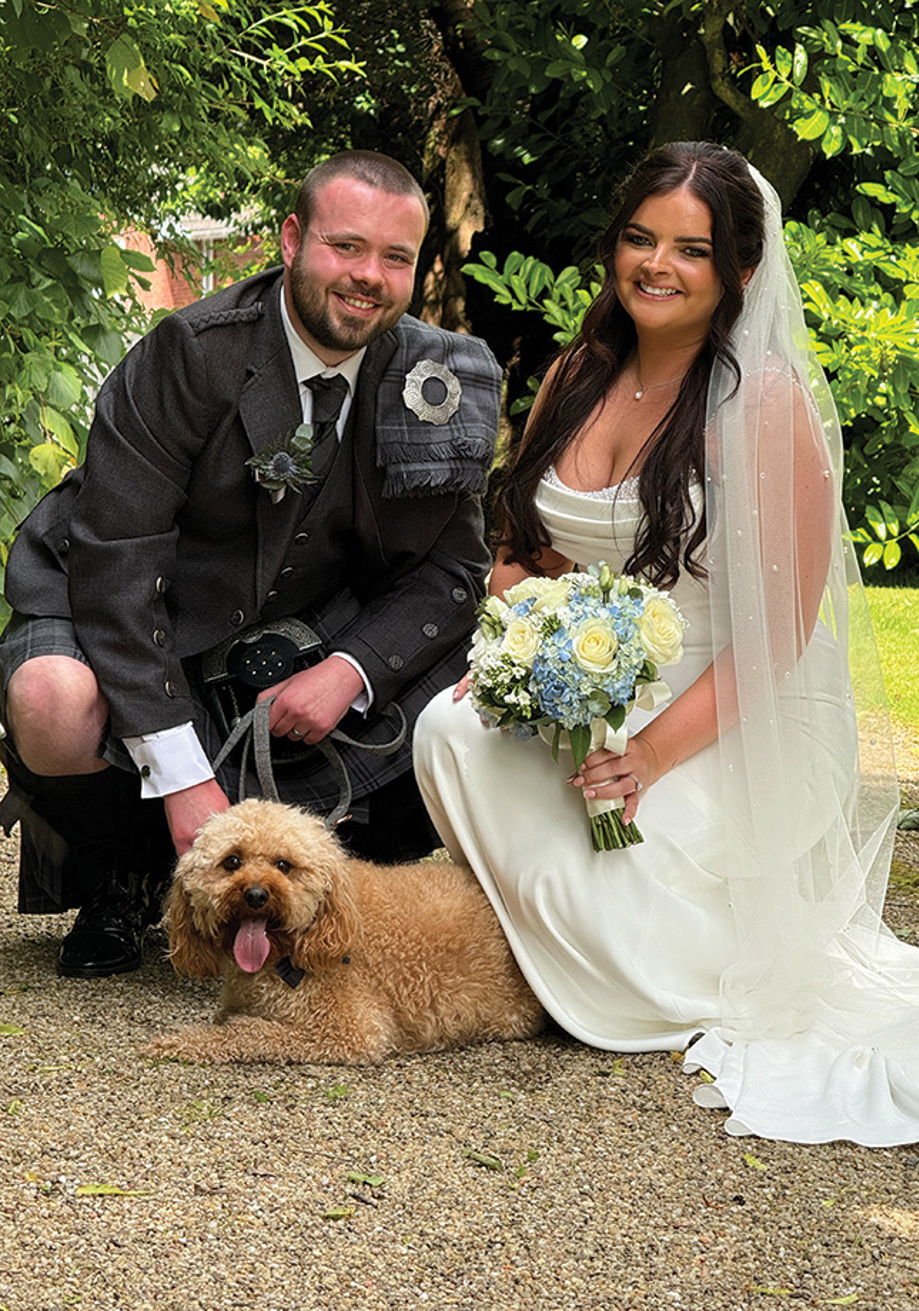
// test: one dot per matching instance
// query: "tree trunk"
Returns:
(683, 108)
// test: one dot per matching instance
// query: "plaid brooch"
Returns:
(437, 412)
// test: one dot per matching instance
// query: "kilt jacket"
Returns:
(162, 544)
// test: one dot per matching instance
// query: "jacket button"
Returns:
(272, 595)
(395, 662)
(301, 538)
(170, 688)
(162, 585)
(63, 545)
(159, 636)
(286, 571)
(237, 618)
(430, 630)
(459, 594)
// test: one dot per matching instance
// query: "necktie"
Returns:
(328, 396)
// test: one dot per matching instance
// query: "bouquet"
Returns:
(569, 657)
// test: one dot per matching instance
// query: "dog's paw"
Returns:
(183, 1046)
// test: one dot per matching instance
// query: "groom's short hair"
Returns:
(368, 166)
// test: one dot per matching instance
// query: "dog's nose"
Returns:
(255, 897)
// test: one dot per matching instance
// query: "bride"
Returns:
(687, 437)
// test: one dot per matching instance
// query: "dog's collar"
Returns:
(288, 971)
(293, 977)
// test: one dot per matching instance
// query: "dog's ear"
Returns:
(189, 950)
(331, 933)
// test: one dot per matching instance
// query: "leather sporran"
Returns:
(237, 669)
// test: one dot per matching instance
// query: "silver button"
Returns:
(170, 688)
(430, 630)
(63, 545)
(159, 636)
(395, 662)
(459, 594)
(162, 585)
(286, 571)
(237, 618)
(272, 595)
(302, 537)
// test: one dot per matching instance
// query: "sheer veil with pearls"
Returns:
(820, 994)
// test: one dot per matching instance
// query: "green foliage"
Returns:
(528, 284)
(560, 75)
(850, 84)
(116, 113)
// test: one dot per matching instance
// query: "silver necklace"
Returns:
(651, 386)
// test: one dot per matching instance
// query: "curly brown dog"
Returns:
(332, 959)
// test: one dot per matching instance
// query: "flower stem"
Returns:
(609, 833)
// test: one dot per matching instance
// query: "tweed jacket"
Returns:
(162, 545)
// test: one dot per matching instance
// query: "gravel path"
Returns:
(537, 1174)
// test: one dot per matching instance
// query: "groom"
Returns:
(204, 512)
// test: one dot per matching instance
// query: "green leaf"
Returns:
(114, 271)
(891, 520)
(579, 737)
(337, 1092)
(876, 518)
(11, 1031)
(783, 62)
(485, 1159)
(808, 129)
(126, 70)
(799, 66)
(892, 553)
(110, 1190)
(46, 459)
(834, 140)
(64, 387)
(338, 1213)
(60, 430)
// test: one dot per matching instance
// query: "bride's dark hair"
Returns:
(671, 532)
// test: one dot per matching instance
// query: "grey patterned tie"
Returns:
(328, 397)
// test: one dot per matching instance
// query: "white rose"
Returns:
(594, 645)
(546, 593)
(521, 641)
(661, 630)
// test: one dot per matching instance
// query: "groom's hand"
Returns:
(308, 705)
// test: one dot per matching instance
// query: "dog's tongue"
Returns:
(251, 945)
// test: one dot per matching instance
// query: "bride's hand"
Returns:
(462, 687)
(606, 775)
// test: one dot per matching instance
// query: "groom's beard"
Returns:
(332, 327)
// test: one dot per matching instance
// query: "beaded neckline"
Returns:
(626, 490)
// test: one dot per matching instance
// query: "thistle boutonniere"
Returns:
(286, 464)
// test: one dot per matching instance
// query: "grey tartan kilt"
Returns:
(302, 774)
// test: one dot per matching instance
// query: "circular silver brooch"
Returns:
(413, 392)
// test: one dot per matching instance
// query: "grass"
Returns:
(895, 611)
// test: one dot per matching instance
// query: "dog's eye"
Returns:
(283, 866)
(231, 863)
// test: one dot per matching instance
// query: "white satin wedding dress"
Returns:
(629, 950)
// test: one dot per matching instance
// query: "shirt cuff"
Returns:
(169, 761)
(364, 700)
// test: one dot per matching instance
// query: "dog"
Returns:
(326, 958)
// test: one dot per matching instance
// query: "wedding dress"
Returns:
(746, 927)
